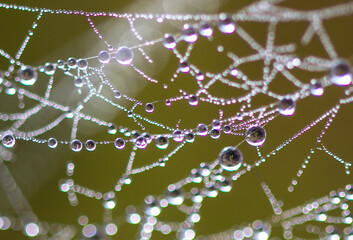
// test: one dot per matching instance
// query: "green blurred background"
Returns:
(38, 169)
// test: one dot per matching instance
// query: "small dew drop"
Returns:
(119, 143)
(8, 141)
(161, 142)
(82, 64)
(103, 57)
(205, 29)
(76, 145)
(255, 136)
(226, 24)
(149, 107)
(201, 129)
(169, 41)
(188, 33)
(90, 145)
(286, 106)
(49, 68)
(52, 143)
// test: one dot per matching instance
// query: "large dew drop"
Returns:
(161, 142)
(124, 55)
(230, 159)
(286, 106)
(27, 75)
(341, 73)
(255, 136)
(8, 141)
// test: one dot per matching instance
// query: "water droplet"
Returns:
(174, 195)
(90, 145)
(109, 204)
(255, 136)
(195, 176)
(316, 88)
(161, 142)
(215, 133)
(27, 75)
(211, 191)
(52, 143)
(111, 229)
(32, 229)
(141, 142)
(76, 145)
(286, 106)
(226, 24)
(189, 137)
(119, 143)
(124, 55)
(204, 169)
(49, 68)
(193, 101)
(78, 82)
(196, 195)
(230, 159)
(188, 33)
(111, 129)
(11, 90)
(202, 129)
(69, 114)
(199, 76)
(8, 141)
(341, 73)
(134, 135)
(178, 135)
(152, 207)
(168, 103)
(129, 114)
(82, 64)
(227, 129)
(149, 107)
(169, 41)
(184, 67)
(72, 62)
(216, 124)
(225, 185)
(117, 94)
(205, 29)
(103, 57)
(60, 64)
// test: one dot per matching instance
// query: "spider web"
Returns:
(148, 103)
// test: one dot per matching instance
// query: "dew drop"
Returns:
(60, 64)
(76, 145)
(199, 76)
(124, 55)
(216, 124)
(204, 169)
(169, 41)
(316, 88)
(149, 107)
(178, 135)
(226, 24)
(8, 140)
(52, 143)
(184, 67)
(230, 159)
(82, 64)
(286, 106)
(11, 90)
(174, 195)
(189, 137)
(78, 82)
(117, 94)
(255, 136)
(188, 33)
(32, 229)
(72, 62)
(27, 75)
(205, 29)
(111, 129)
(193, 100)
(141, 142)
(119, 143)
(225, 185)
(341, 73)
(90, 145)
(161, 142)
(227, 129)
(103, 57)
(215, 133)
(49, 68)
(201, 129)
